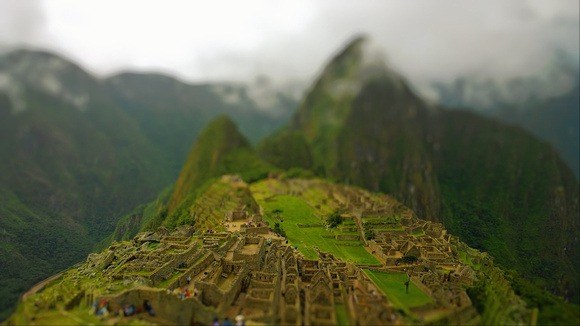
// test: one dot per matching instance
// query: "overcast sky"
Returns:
(236, 40)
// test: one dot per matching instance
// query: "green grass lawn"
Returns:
(341, 315)
(393, 286)
(296, 211)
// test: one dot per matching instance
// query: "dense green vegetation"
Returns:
(287, 150)
(512, 197)
(334, 220)
(493, 296)
(28, 241)
(552, 310)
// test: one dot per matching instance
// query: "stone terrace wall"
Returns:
(256, 230)
(193, 270)
(165, 271)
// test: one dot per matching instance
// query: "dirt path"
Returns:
(39, 286)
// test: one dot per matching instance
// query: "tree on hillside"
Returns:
(369, 234)
(277, 213)
(334, 220)
(279, 230)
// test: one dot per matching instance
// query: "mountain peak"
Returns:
(359, 62)
(327, 108)
(219, 139)
(45, 72)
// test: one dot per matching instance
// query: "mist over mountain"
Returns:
(545, 105)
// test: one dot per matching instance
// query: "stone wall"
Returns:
(210, 294)
(256, 230)
(227, 245)
(164, 272)
(193, 270)
(167, 307)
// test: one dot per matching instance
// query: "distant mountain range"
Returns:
(77, 152)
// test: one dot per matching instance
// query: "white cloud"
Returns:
(237, 40)
(21, 22)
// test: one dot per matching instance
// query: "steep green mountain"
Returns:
(345, 141)
(71, 161)
(497, 187)
(67, 148)
(219, 149)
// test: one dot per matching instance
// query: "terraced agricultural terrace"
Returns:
(234, 261)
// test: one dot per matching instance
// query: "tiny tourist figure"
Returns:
(227, 322)
(148, 308)
(240, 320)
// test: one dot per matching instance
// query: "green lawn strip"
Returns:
(296, 211)
(341, 315)
(393, 286)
